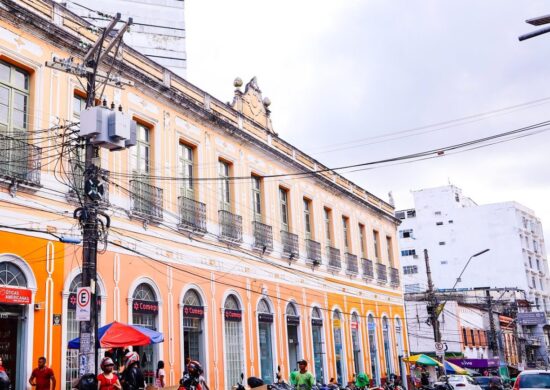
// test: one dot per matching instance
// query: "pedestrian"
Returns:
(424, 377)
(160, 375)
(304, 378)
(42, 377)
(108, 380)
(4, 378)
(132, 377)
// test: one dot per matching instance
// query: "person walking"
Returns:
(132, 377)
(304, 378)
(160, 375)
(108, 380)
(4, 378)
(42, 377)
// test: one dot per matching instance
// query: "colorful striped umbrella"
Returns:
(451, 368)
(422, 360)
(116, 335)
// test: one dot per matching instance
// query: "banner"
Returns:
(265, 317)
(19, 296)
(193, 311)
(233, 315)
(316, 322)
(293, 320)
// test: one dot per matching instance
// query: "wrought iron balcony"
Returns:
(351, 264)
(146, 201)
(290, 244)
(192, 215)
(231, 226)
(334, 259)
(394, 276)
(76, 193)
(313, 250)
(368, 269)
(19, 160)
(263, 236)
(381, 273)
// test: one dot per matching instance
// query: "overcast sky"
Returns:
(341, 72)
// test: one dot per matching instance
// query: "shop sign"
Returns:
(265, 317)
(371, 326)
(19, 296)
(145, 307)
(336, 323)
(71, 302)
(532, 318)
(233, 315)
(193, 311)
(475, 363)
(354, 325)
(293, 320)
(316, 322)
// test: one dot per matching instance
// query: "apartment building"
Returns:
(239, 264)
(453, 228)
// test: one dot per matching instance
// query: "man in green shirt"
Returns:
(304, 379)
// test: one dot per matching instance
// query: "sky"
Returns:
(346, 78)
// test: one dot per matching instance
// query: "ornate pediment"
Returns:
(251, 103)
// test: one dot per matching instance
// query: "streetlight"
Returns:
(538, 21)
(468, 262)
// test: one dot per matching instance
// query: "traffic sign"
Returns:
(439, 349)
(83, 306)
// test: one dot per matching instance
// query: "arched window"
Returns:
(318, 344)
(373, 349)
(265, 336)
(387, 346)
(339, 346)
(145, 313)
(293, 335)
(356, 344)
(193, 317)
(12, 275)
(234, 350)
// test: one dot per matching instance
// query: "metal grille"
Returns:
(394, 276)
(71, 357)
(231, 226)
(20, 160)
(334, 259)
(263, 236)
(290, 244)
(192, 214)
(233, 353)
(368, 269)
(351, 264)
(381, 273)
(146, 200)
(313, 250)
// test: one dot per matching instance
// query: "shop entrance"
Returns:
(10, 324)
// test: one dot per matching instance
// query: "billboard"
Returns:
(532, 318)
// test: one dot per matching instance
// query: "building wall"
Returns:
(172, 261)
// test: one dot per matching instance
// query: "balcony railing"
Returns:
(381, 273)
(231, 226)
(313, 251)
(263, 236)
(351, 264)
(19, 160)
(367, 268)
(146, 201)
(192, 215)
(290, 244)
(394, 276)
(334, 259)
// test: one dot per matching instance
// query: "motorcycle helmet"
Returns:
(194, 368)
(254, 382)
(131, 358)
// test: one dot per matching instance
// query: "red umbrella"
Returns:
(116, 334)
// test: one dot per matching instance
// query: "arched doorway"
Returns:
(293, 335)
(193, 334)
(356, 343)
(233, 338)
(145, 310)
(373, 349)
(386, 338)
(72, 329)
(15, 338)
(339, 357)
(318, 344)
(265, 338)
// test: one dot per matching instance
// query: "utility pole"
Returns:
(492, 328)
(432, 300)
(90, 212)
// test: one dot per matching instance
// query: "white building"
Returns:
(453, 227)
(158, 30)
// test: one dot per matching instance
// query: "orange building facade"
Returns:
(212, 243)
